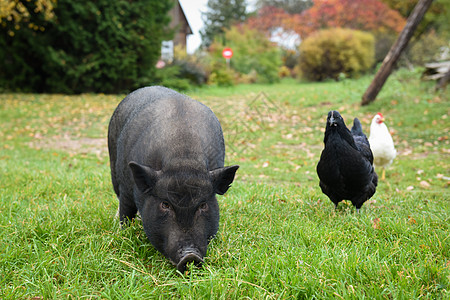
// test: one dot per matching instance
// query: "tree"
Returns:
(89, 46)
(368, 15)
(437, 15)
(391, 58)
(14, 13)
(221, 15)
(269, 18)
(289, 6)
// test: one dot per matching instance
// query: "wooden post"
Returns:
(443, 81)
(395, 51)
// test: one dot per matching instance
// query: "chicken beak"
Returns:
(332, 121)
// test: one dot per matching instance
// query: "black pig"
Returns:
(167, 162)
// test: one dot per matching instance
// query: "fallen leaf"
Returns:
(411, 220)
(424, 184)
(376, 223)
(441, 176)
(407, 152)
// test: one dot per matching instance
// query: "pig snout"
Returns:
(189, 255)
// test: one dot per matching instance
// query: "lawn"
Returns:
(279, 236)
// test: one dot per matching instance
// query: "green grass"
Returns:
(279, 236)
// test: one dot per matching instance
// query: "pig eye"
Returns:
(203, 206)
(165, 205)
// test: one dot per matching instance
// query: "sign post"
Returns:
(227, 53)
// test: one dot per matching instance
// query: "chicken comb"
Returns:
(380, 114)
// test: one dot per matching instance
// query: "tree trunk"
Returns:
(395, 51)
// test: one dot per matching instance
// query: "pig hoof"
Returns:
(188, 258)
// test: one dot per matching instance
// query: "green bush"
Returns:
(193, 67)
(170, 76)
(333, 53)
(252, 52)
(222, 76)
(383, 43)
(428, 48)
(90, 46)
(183, 71)
(290, 58)
(191, 71)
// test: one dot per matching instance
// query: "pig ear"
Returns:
(144, 177)
(222, 178)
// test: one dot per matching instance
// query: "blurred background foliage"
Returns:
(83, 46)
(102, 46)
(258, 59)
(336, 52)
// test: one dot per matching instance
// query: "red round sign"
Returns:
(227, 53)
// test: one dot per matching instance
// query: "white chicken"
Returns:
(381, 144)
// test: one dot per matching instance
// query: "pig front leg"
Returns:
(127, 210)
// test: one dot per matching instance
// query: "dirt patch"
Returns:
(73, 145)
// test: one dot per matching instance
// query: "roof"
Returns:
(178, 16)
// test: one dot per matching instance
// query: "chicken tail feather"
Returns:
(357, 128)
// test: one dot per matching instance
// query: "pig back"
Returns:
(161, 128)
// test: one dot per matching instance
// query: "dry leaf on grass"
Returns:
(376, 223)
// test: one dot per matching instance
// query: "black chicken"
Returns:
(345, 167)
